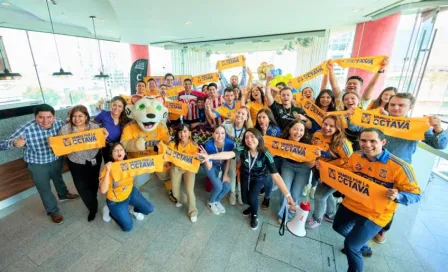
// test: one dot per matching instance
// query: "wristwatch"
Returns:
(381, 71)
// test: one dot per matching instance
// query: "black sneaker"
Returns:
(246, 212)
(254, 222)
(265, 204)
(262, 191)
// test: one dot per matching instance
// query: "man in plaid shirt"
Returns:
(42, 163)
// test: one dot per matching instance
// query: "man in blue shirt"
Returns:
(233, 81)
(399, 106)
(42, 163)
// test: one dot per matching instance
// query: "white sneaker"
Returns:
(220, 207)
(193, 219)
(106, 216)
(312, 192)
(138, 216)
(178, 204)
(232, 199)
(213, 208)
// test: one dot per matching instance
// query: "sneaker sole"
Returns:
(379, 242)
(246, 215)
(255, 227)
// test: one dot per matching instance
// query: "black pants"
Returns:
(250, 191)
(86, 180)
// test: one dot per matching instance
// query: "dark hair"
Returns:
(312, 90)
(141, 81)
(213, 85)
(405, 96)
(357, 78)
(260, 148)
(151, 79)
(205, 85)
(378, 132)
(111, 150)
(238, 93)
(43, 107)
(81, 109)
(261, 94)
(123, 119)
(285, 89)
(285, 133)
(347, 93)
(283, 84)
(187, 79)
(201, 98)
(162, 85)
(377, 102)
(167, 75)
(332, 106)
(176, 136)
(270, 117)
(228, 90)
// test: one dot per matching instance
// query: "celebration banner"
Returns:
(401, 127)
(321, 69)
(313, 111)
(138, 71)
(184, 161)
(134, 167)
(173, 93)
(357, 188)
(176, 107)
(178, 80)
(342, 115)
(238, 61)
(205, 78)
(69, 143)
(372, 64)
(290, 149)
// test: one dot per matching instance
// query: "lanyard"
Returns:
(217, 150)
(237, 137)
(251, 165)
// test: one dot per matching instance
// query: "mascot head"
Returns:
(148, 112)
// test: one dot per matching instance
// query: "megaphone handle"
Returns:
(281, 230)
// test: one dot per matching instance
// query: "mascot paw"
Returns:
(140, 144)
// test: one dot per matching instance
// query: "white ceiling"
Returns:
(155, 21)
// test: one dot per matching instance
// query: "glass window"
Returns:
(26, 91)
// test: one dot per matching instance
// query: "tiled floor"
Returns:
(167, 241)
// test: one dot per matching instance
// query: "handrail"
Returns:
(432, 150)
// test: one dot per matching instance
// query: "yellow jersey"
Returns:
(132, 131)
(387, 170)
(191, 148)
(254, 108)
(118, 190)
(226, 112)
(338, 156)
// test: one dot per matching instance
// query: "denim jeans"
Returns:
(324, 202)
(268, 182)
(250, 191)
(220, 189)
(119, 211)
(357, 231)
(296, 177)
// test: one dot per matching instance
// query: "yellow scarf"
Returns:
(372, 64)
(134, 167)
(231, 63)
(205, 78)
(184, 161)
(290, 149)
(313, 111)
(69, 143)
(408, 128)
(176, 107)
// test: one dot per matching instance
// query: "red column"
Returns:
(371, 39)
(139, 52)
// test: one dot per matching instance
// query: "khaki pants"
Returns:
(189, 179)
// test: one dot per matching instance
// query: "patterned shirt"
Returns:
(216, 102)
(36, 149)
(80, 157)
(191, 100)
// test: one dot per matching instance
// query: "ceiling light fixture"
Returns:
(357, 10)
(7, 75)
(188, 22)
(101, 75)
(61, 72)
(6, 4)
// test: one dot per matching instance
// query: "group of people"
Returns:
(235, 159)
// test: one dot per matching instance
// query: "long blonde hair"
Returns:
(248, 123)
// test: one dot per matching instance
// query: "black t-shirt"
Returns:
(263, 165)
(284, 116)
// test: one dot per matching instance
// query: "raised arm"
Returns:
(209, 111)
(367, 94)
(333, 82)
(268, 93)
